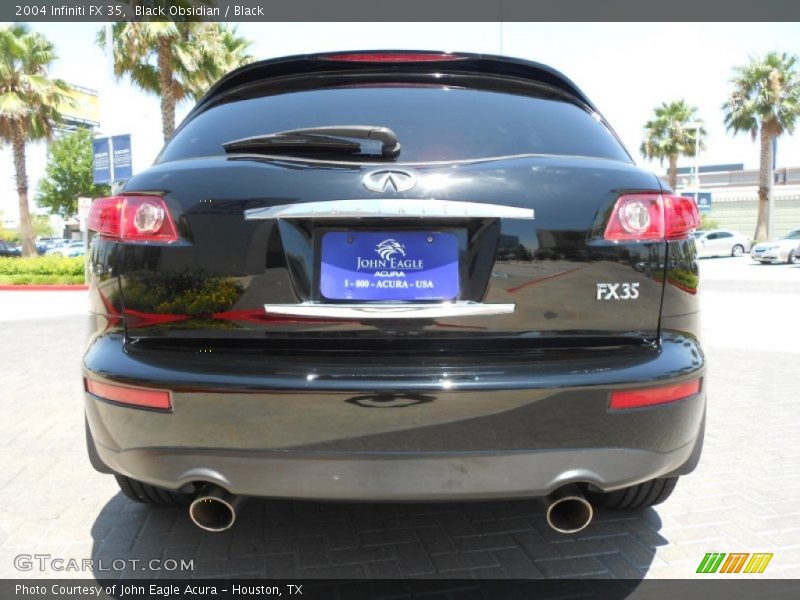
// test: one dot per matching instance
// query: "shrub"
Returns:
(28, 279)
(707, 222)
(41, 270)
(190, 292)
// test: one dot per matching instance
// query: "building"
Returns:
(83, 109)
(734, 195)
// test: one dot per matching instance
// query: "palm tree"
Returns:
(174, 61)
(765, 101)
(668, 136)
(214, 65)
(29, 103)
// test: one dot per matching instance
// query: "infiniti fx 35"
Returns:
(394, 276)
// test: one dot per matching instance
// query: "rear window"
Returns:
(431, 123)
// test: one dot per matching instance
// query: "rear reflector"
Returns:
(652, 216)
(130, 395)
(654, 395)
(391, 57)
(133, 218)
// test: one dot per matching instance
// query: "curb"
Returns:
(43, 288)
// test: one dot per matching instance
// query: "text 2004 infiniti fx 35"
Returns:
(394, 276)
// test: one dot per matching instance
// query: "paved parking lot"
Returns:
(744, 497)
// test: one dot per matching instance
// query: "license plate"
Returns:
(389, 265)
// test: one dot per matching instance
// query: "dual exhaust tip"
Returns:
(568, 511)
(215, 509)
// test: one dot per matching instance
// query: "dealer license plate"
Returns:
(389, 266)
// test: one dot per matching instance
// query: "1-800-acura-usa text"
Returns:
(394, 276)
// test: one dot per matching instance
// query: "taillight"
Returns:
(391, 57)
(639, 217)
(123, 394)
(681, 215)
(654, 395)
(133, 219)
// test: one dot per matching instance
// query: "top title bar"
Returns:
(402, 10)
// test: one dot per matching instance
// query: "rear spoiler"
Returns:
(397, 60)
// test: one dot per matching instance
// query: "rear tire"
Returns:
(150, 494)
(738, 250)
(636, 497)
(793, 258)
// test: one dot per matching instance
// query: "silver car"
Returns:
(72, 248)
(720, 242)
(782, 250)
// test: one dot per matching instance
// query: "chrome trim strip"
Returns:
(416, 208)
(282, 158)
(436, 310)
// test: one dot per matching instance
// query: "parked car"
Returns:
(721, 242)
(7, 249)
(55, 244)
(310, 307)
(73, 248)
(781, 250)
(50, 243)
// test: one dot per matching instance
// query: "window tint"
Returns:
(724, 234)
(793, 235)
(431, 123)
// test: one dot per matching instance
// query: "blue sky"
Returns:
(625, 68)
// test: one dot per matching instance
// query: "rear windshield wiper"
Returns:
(319, 139)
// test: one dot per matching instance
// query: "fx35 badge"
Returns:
(617, 291)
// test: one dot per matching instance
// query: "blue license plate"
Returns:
(389, 265)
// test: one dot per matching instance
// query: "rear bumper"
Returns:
(409, 476)
(417, 432)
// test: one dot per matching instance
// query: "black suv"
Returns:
(394, 276)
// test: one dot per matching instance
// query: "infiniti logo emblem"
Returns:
(387, 180)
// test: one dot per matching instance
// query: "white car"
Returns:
(720, 242)
(73, 248)
(782, 250)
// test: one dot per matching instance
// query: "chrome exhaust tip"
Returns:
(568, 511)
(214, 509)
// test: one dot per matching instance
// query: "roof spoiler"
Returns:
(332, 62)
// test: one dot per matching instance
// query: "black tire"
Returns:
(150, 494)
(636, 497)
(793, 258)
(738, 250)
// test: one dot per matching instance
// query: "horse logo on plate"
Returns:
(389, 247)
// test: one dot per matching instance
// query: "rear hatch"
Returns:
(484, 234)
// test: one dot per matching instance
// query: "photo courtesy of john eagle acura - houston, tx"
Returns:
(394, 276)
